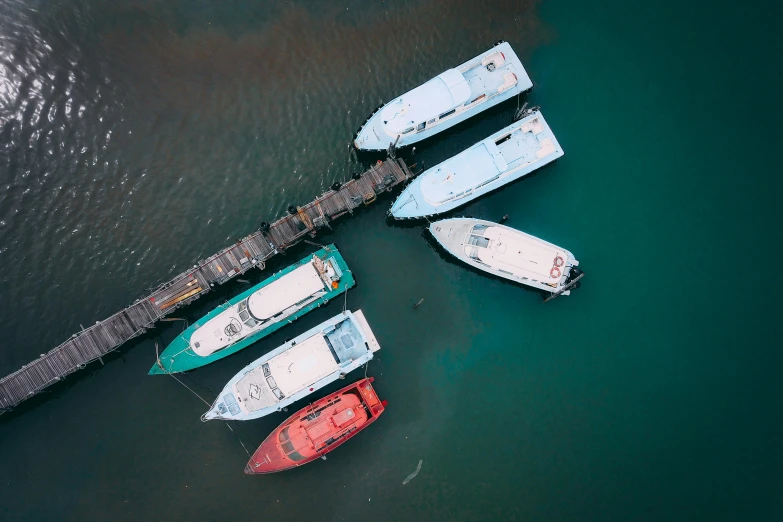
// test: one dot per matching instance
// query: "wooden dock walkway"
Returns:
(252, 251)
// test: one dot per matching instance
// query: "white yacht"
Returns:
(506, 156)
(297, 368)
(449, 98)
(509, 253)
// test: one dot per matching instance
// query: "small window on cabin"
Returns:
(283, 437)
(271, 382)
(406, 131)
(448, 113)
(479, 229)
(478, 241)
(265, 367)
(278, 394)
(473, 254)
(295, 455)
(287, 446)
(503, 139)
(430, 122)
(421, 126)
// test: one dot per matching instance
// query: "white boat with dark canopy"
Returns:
(297, 368)
(509, 253)
(449, 98)
(506, 156)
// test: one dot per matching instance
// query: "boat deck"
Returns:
(482, 81)
(92, 343)
(527, 143)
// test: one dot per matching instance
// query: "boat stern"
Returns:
(524, 83)
(369, 336)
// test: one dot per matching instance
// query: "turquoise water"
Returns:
(139, 137)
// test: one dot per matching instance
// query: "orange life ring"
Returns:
(559, 261)
(379, 162)
(335, 284)
(555, 272)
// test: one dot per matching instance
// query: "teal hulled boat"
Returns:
(256, 313)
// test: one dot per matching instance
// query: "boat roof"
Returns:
(517, 146)
(285, 292)
(519, 254)
(440, 94)
(302, 364)
(452, 178)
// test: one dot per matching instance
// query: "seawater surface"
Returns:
(137, 137)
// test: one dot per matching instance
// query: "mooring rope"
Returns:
(325, 247)
(240, 440)
(202, 400)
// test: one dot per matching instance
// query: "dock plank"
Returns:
(253, 250)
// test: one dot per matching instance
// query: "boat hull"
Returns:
(318, 421)
(179, 357)
(372, 136)
(451, 234)
(296, 369)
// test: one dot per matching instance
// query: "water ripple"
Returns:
(138, 136)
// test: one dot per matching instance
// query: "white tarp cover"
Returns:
(286, 292)
(302, 364)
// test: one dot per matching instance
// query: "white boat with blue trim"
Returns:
(509, 253)
(449, 98)
(506, 156)
(297, 368)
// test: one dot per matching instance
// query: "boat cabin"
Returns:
(268, 305)
(515, 254)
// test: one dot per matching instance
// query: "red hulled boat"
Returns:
(318, 428)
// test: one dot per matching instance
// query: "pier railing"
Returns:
(92, 343)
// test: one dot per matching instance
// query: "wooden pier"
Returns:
(252, 251)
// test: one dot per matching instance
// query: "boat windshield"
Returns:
(478, 241)
(272, 383)
(479, 229)
(244, 314)
(288, 447)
